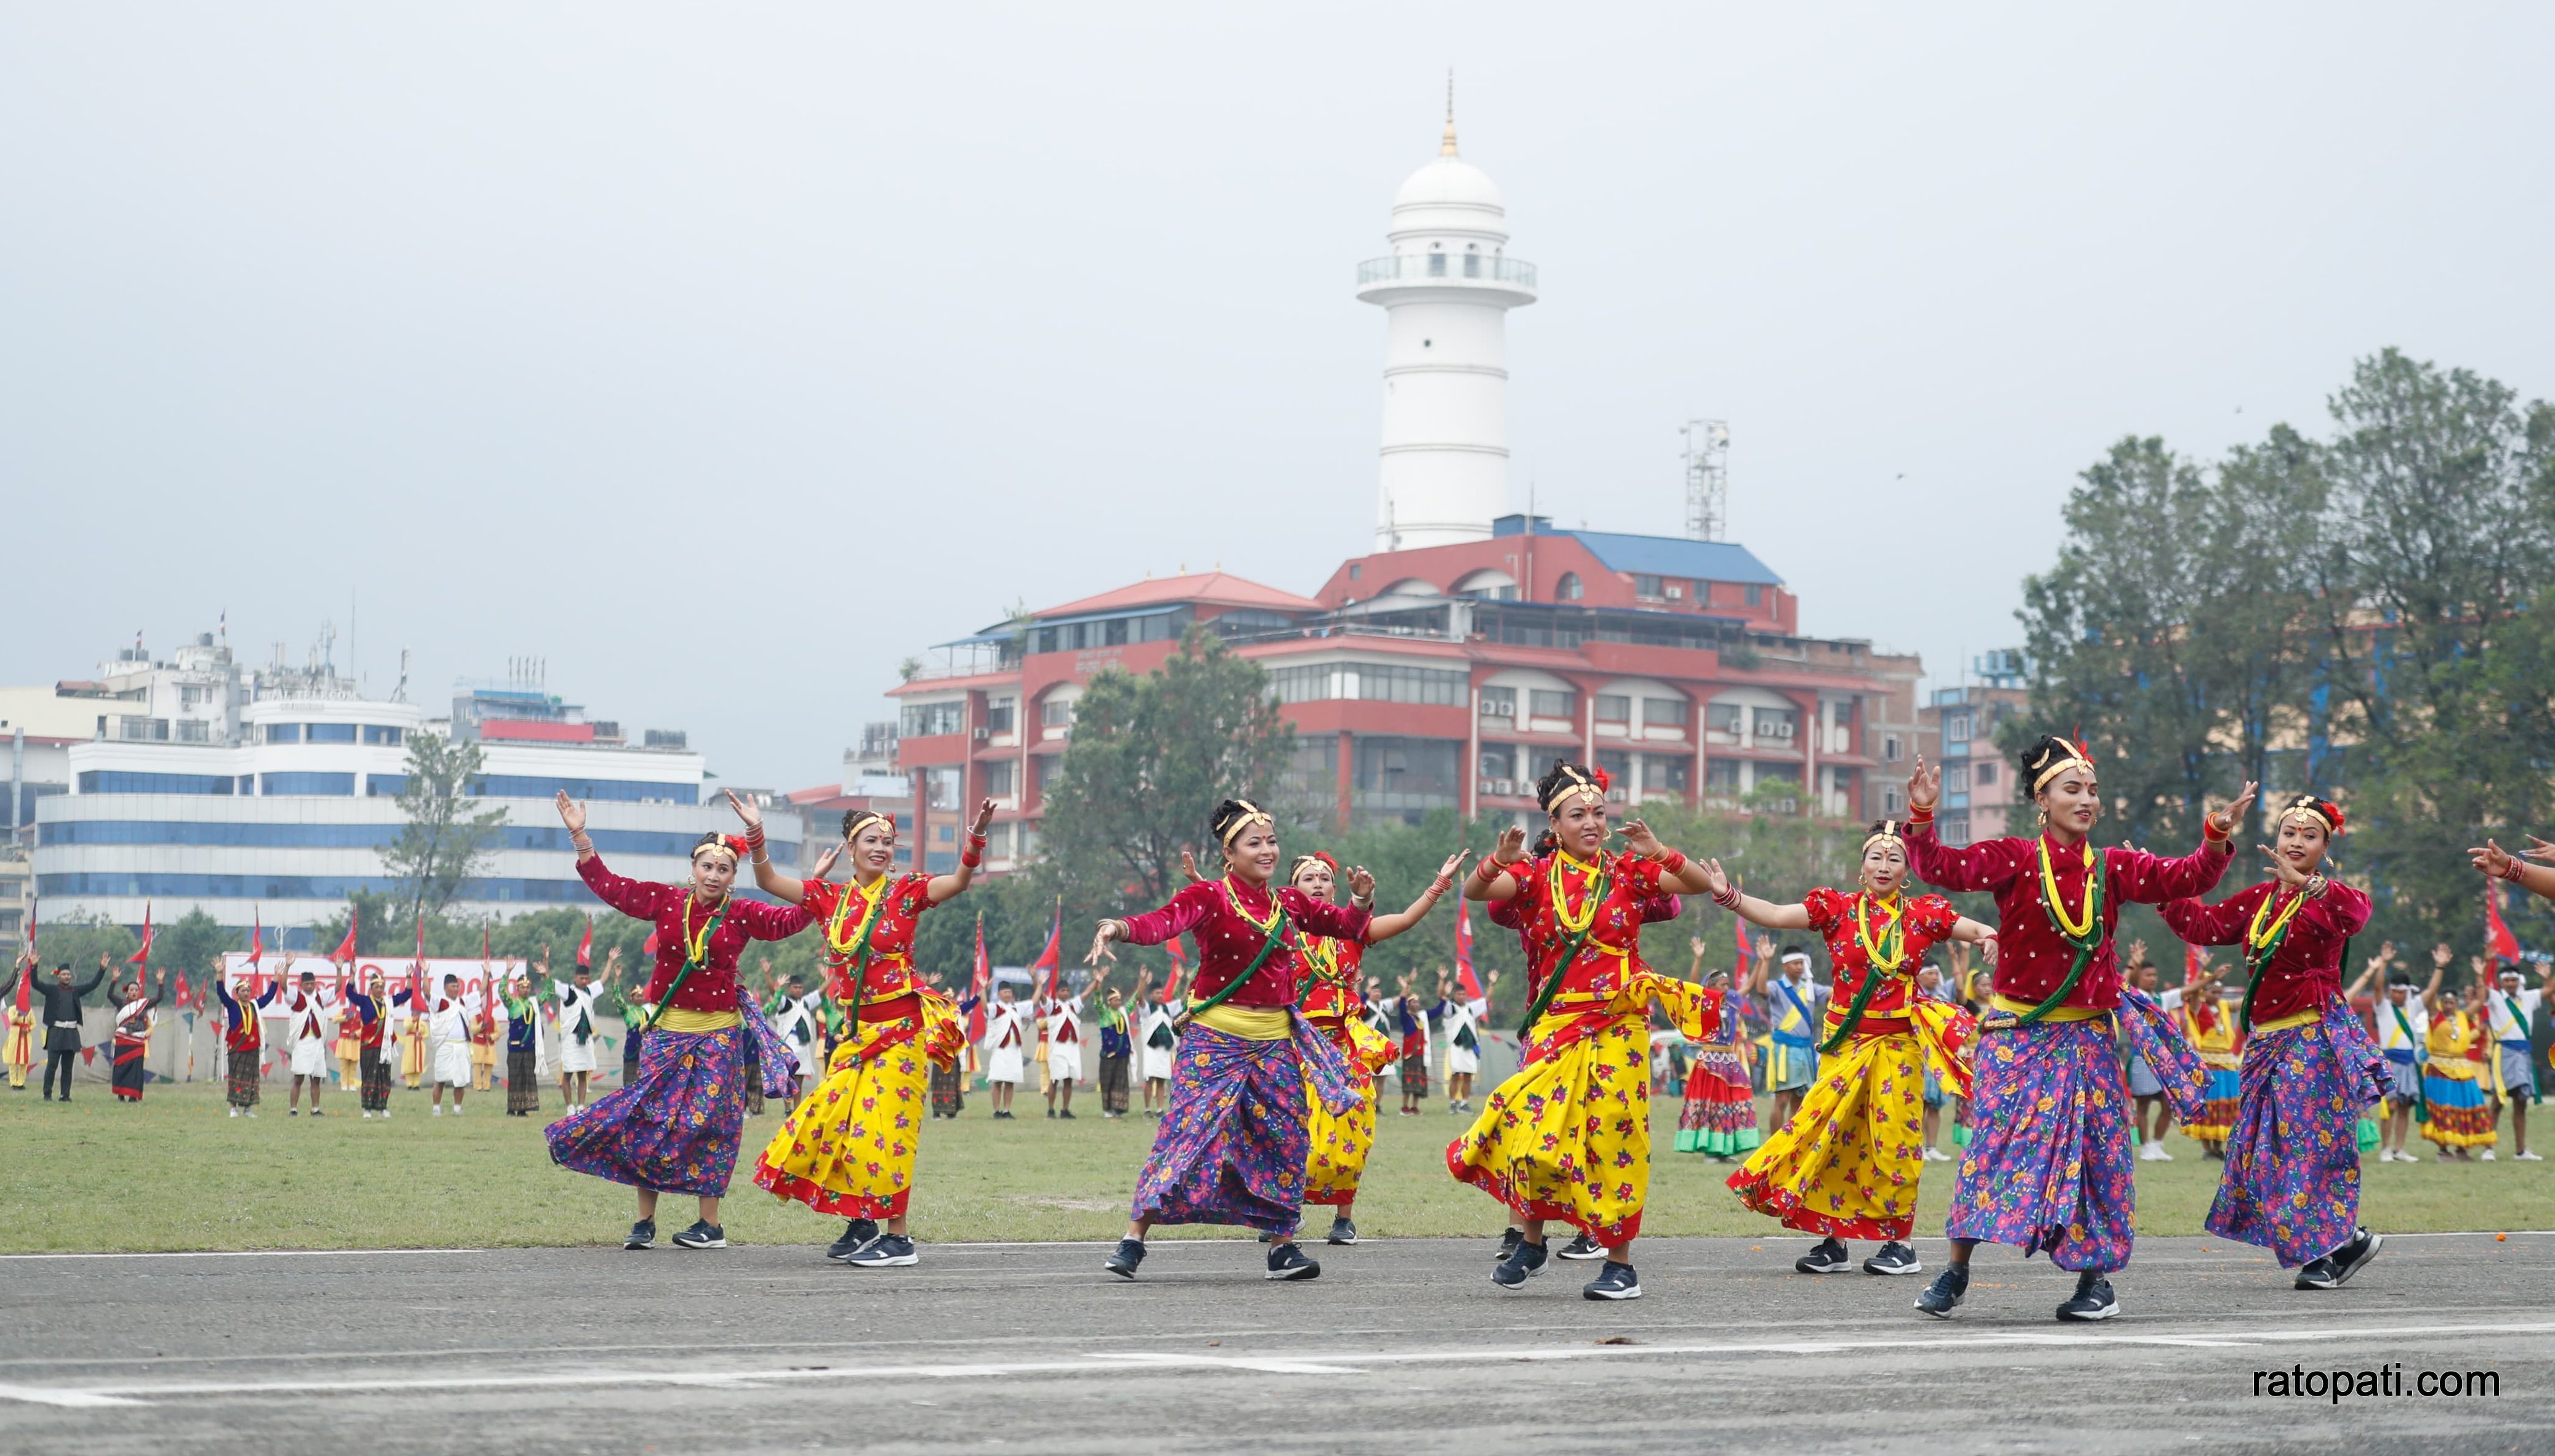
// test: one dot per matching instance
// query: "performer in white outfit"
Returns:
(447, 1033)
(309, 1015)
(2403, 1034)
(580, 1025)
(1155, 1047)
(2511, 1006)
(1464, 1045)
(1007, 1032)
(794, 1015)
(1060, 1026)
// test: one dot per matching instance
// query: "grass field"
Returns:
(176, 1174)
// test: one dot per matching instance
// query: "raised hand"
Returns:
(1924, 785)
(1638, 839)
(2290, 875)
(1101, 937)
(571, 813)
(1188, 866)
(2225, 820)
(2441, 955)
(1719, 885)
(752, 816)
(825, 861)
(984, 819)
(2493, 859)
(1512, 846)
(1361, 883)
(2542, 851)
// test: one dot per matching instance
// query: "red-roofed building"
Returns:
(1446, 676)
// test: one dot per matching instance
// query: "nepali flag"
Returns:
(978, 984)
(1051, 959)
(256, 953)
(585, 947)
(1463, 952)
(1179, 968)
(345, 950)
(2498, 939)
(142, 957)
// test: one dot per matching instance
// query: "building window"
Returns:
(999, 714)
(1041, 769)
(387, 737)
(1617, 766)
(1567, 589)
(1434, 687)
(945, 788)
(1646, 587)
(307, 783)
(1405, 774)
(1729, 718)
(284, 733)
(1665, 772)
(1356, 569)
(1956, 830)
(1614, 708)
(1721, 775)
(1956, 779)
(118, 781)
(1114, 633)
(1549, 703)
(1001, 777)
(385, 785)
(194, 730)
(1056, 712)
(931, 720)
(1889, 749)
(1472, 265)
(1755, 596)
(1497, 762)
(1436, 265)
(1499, 702)
(1890, 803)
(1956, 728)
(329, 733)
(1986, 774)
(1663, 712)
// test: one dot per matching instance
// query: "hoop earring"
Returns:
(2042, 816)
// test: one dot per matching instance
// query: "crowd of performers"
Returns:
(1264, 1074)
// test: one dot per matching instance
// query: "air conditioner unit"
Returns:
(1779, 730)
(984, 733)
(1508, 787)
(1677, 594)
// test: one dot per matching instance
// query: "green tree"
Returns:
(1148, 760)
(444, 836)
(78, 943)
(187, 945)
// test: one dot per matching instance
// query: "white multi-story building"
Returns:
(276, 821)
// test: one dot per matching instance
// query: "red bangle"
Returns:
(1726, 896)
(1917, 816)
(1489, 869)
(971, 859)
(1671, 862)
(2512, 874)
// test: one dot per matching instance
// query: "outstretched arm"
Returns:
(767, 875)
(1725, 891)
(947, 887)
(1496, 876)
(1384, 928)
(1675, 868)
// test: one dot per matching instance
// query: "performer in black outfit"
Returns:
(62, 1023)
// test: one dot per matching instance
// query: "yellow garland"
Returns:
(1893, 935)
(1561, 897)
(1276, 907)
(2257, 936)
(2057, 906)
(696, 948)
(1321, 956)
(835, 940)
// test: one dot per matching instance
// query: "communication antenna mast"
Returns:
(1707, 478)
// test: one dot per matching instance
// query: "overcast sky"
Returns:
(725, 355)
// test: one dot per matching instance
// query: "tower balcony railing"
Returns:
(1446, 267)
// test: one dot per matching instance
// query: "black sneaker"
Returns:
(1129, 1253)
(1510, 1239)
(887, 1251)
(1614, 1281)
(1582, 1246)
(855, 1234)
(1829, 1258)
(1522, 1264)
(701, 1235)
(1893, 1258)
(1067, 1114)
(2346, 1260)
(1947, 1291)
(2317, 1273)
(1342, 1232)
(1286, 1262)
(643, 1235)
(1050, 1111)
(2093, 1299)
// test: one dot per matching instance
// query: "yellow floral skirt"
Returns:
(1339, 1144)
(1846, 1165)
(848, 1148)
(1568, 1137)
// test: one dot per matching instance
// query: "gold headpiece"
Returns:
(1887, 833)
(2322, 813)
(726, 844)
(1251, 815)
(2074, 759)
(1575, 783)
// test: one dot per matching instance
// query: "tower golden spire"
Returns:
(1446, 147)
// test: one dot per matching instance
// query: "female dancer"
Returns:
(2291, 1183)
(849, 1148)
(134, 1018)
(1330, 1001)
(1568, 1137)
(675, 1129)
(1234, 1145)
(1719, 1116)
(2048, 1161)
(1845, 1164)
(2212, 1034)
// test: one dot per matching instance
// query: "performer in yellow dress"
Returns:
(2210, 1030)
(21, 1034)
(1844, 1166)
(848, 1148)
(1568, 1137)
(2455, 1112)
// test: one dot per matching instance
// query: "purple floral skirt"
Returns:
(2292, 1179)
(675, 1128)
(2048, 1163)
(1232, 1145)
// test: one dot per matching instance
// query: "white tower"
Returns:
(1446, 290)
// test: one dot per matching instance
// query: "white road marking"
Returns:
(1275, 1363)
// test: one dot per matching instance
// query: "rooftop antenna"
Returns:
(1446, 147)
(1707, 478)
(398, 695)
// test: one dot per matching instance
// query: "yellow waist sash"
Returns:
(2006, 1003)
(1249, 1022)
(2301, 1019)
(695, 1022)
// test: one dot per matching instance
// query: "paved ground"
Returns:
(1400, 1347)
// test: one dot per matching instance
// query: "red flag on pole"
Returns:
(2194, 964)
(256, 953)
(2498, 939)
(979, 983)
(1472, 986)
(585, 947)
(142, 957)
(649, 945)
(1179, 968)
(1051, 959)
(346, 948)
